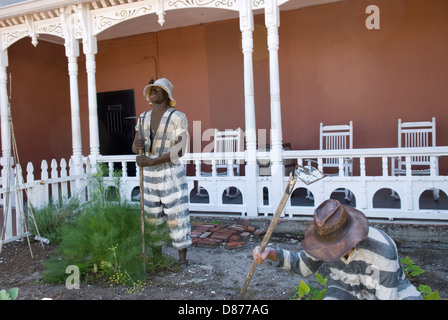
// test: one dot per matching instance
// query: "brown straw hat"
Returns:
(336, 230)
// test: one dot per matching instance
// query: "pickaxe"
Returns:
(308, 175)
(142, 205)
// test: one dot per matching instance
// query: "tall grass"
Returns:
(48, 221)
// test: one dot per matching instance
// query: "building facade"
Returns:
(276, 69)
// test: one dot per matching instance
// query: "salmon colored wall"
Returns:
(332, 69)
(40, 102)
(129, 63)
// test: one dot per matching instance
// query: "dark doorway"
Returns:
(116, 132)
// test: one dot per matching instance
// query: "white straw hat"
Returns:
(163, 83)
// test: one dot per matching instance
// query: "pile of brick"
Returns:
(211, 235)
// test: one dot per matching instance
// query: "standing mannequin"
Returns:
(164, 136)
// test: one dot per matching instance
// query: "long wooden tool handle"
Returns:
(142, 205)
(142, 218)
(267, 236)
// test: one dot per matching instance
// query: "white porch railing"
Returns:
(365, 186)
(371, 176)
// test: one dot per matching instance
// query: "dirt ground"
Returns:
(213, 274)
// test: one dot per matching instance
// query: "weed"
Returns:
(49, 220)
(412, 271)
(9, 295)
(306, 291)
(427, 293)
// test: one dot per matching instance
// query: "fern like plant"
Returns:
(87, 243)
(100, 226)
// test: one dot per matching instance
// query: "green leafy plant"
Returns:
(309, 292)
(100, 226)
(412, 271)
(9, 295)
(427, 293)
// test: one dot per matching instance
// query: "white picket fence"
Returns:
(22, 191)
(60, 181)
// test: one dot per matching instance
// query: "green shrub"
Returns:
(105, 238)
(88, 243)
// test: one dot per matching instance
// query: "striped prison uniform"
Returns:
(165, 186)
(372, 271)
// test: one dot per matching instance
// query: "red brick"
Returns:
(219, 236)
(201, 229)
(251, 228)
(218, 227)
(208, 243)
(237, 228)
(234, 245)
(235, 237)
(226, 231)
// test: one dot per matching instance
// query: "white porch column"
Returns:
(93, 112)
(74, 102)
(247, 29)
(4, 110)
(272, 21)
(72, 53)
(90, 50)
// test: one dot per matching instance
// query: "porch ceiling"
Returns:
(14, 11)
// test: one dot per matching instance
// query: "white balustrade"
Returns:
(371, 169)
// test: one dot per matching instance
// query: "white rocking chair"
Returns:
(336, 137)
(417, 134)
(226, 144)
